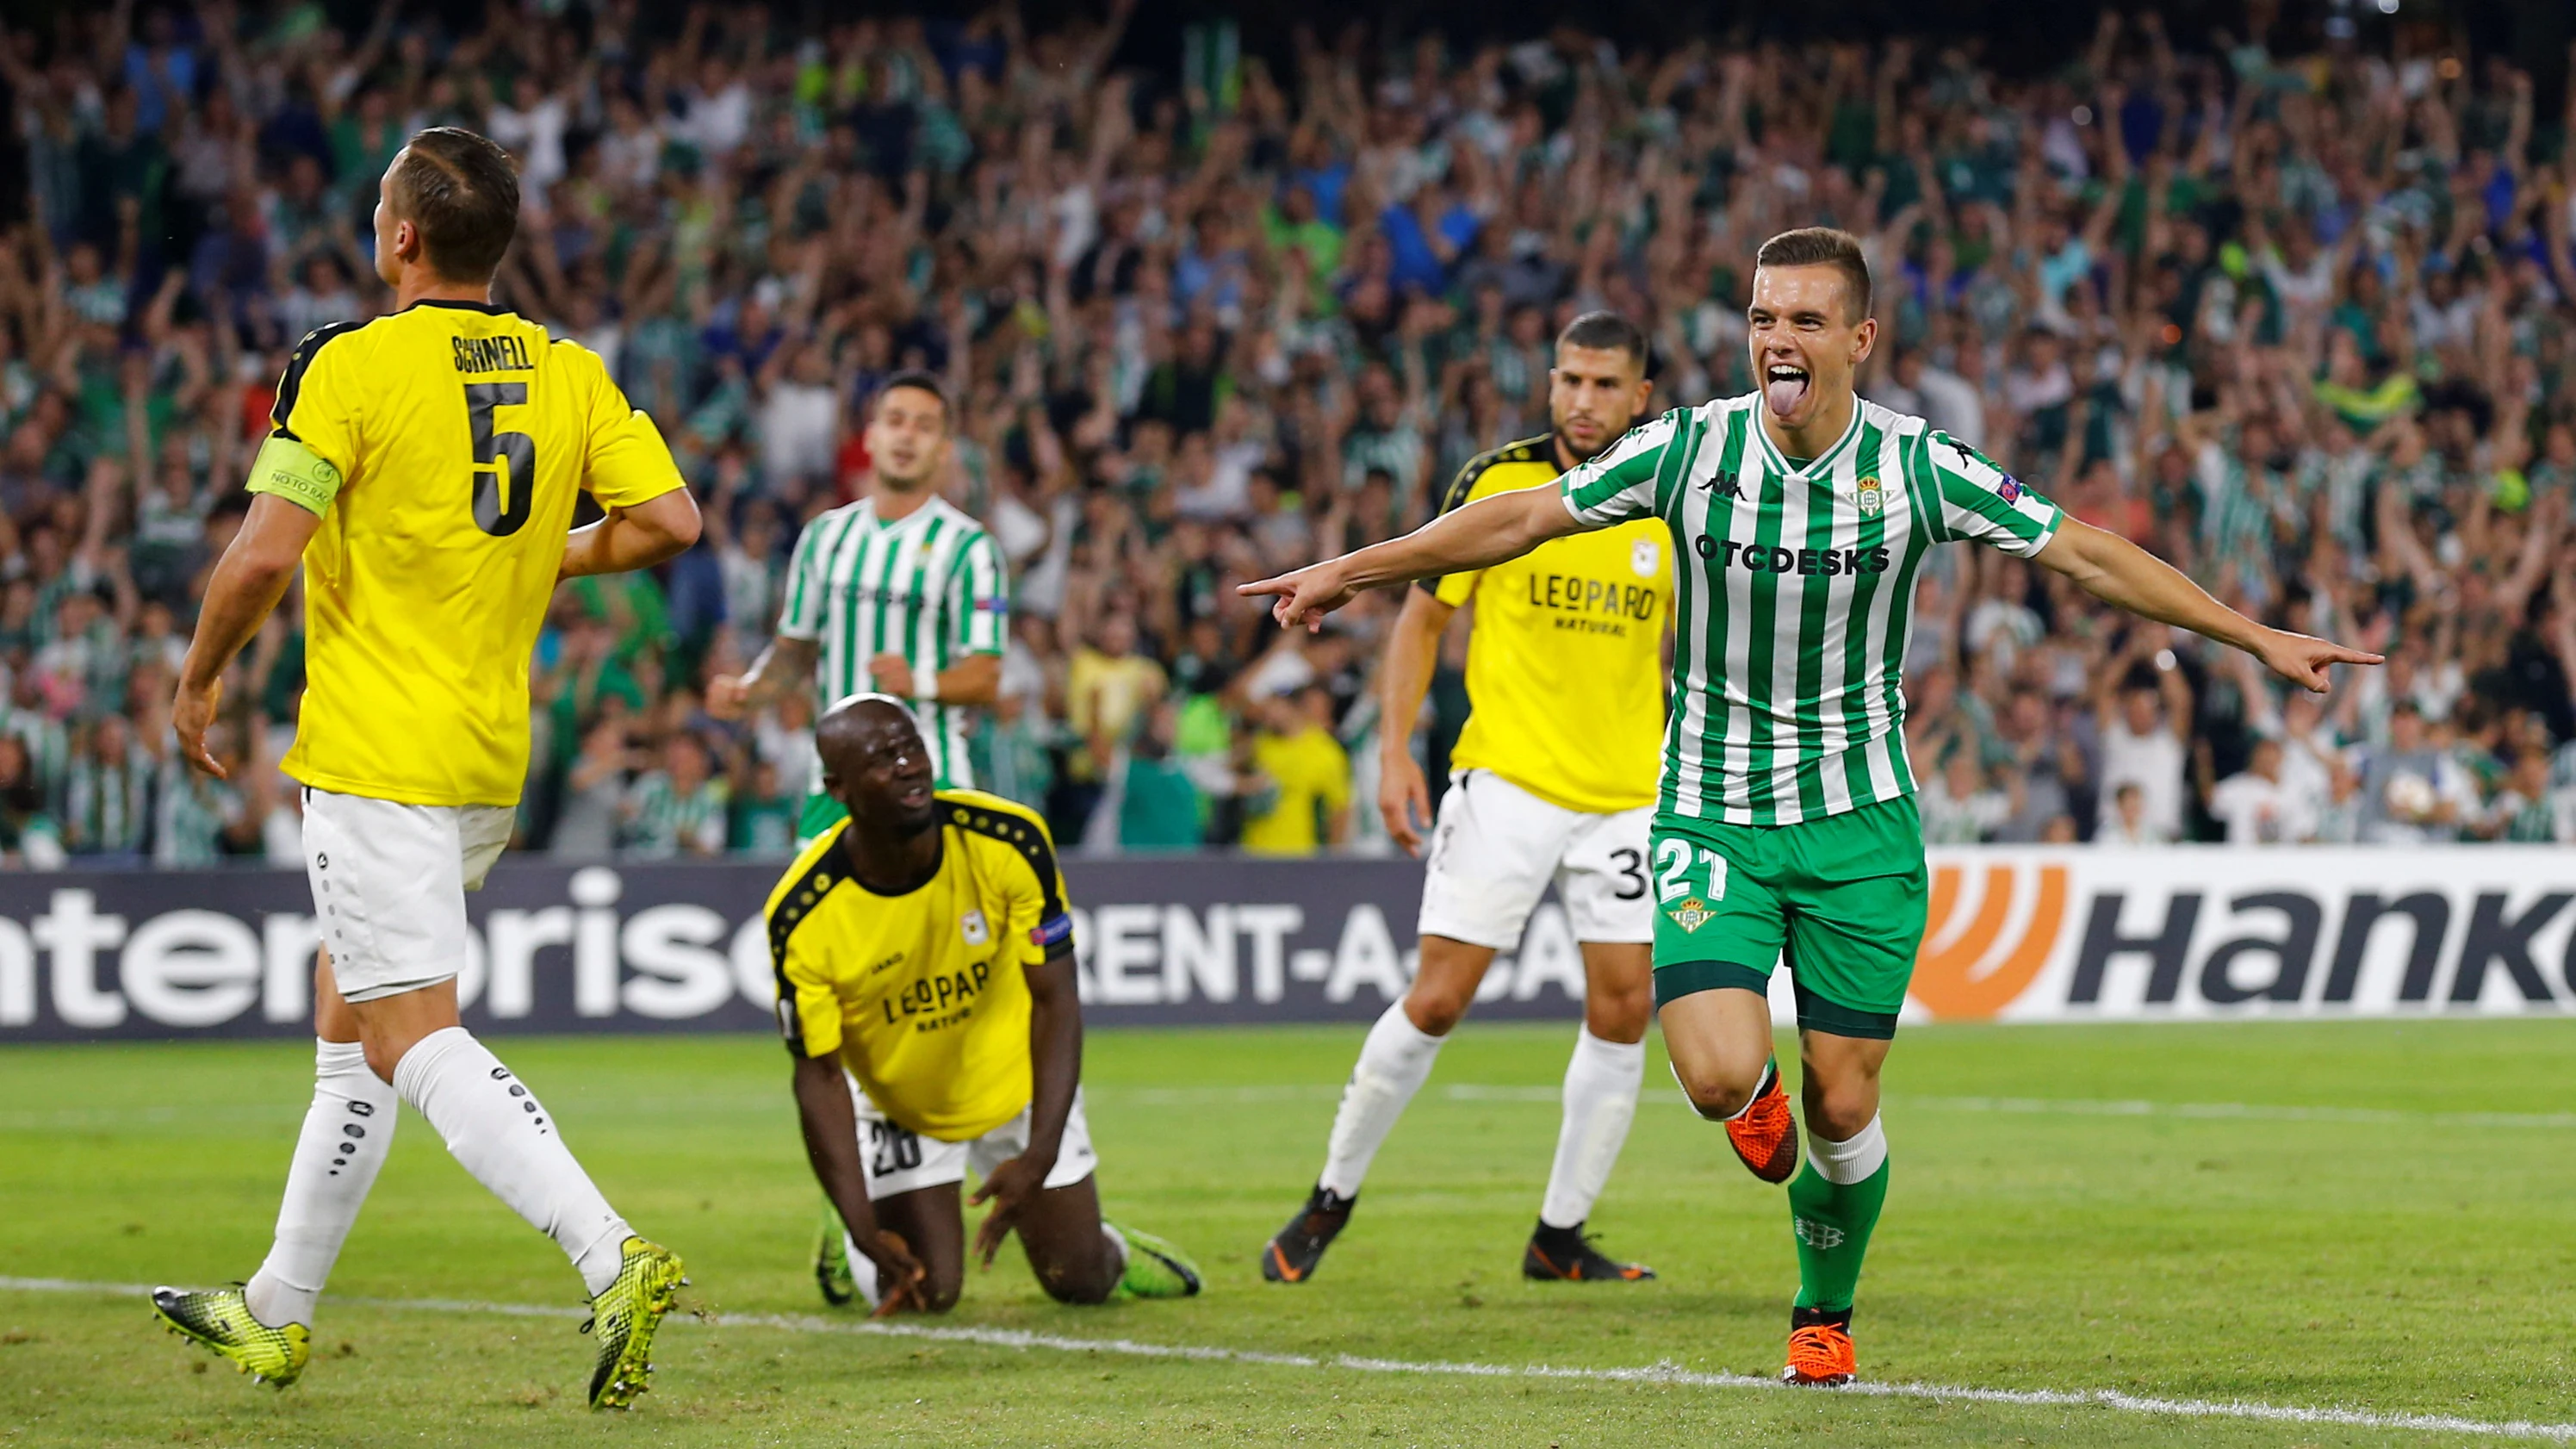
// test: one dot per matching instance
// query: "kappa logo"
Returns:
(1691, 914)
(1818, 1235)
(1870, 499)
(974, 928)
(1966, 969)
(1724, 485)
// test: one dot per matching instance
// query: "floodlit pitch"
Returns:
(2151, 1235)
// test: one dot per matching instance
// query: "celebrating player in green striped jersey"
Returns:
(899, 593)
(1785, 828)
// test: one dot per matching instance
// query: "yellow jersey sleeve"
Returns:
(1513, 466)
(809, 1000)
(318, 397)
(1456, 589)
(1036, 923)
(628, 463)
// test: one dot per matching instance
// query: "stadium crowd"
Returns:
(2305, 325)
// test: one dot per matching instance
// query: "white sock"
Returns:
(497, 1132)
(1394, 1062)
(1851, 1160)
(863, 1269)
(1117, 1248)
(347, 1132)
(1601, 1082)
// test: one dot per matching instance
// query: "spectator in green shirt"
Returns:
(1159, 808)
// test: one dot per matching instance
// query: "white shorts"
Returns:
(1496, 846)
(898, 1160)
(389, 883)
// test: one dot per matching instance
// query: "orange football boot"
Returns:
(1765, 1133)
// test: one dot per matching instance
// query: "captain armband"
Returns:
(295, 473)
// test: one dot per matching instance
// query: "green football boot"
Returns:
(832, 1260)
(1155, 1269)
(624, 1316)
(220, 1319)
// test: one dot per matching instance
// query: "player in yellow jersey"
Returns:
(422, 472)
(1553, 779)
(926, 991)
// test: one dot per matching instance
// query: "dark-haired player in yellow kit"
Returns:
(422, 472)
(1539, 792)
(924, 953)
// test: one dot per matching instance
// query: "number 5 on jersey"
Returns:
(1689, 881)
(505, 472)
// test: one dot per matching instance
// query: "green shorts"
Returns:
(821, 813)
(1840, 899)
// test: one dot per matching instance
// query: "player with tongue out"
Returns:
(1785, 828)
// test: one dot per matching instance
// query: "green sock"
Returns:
(1832, 1222)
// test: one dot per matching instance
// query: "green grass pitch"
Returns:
(2403, 1246)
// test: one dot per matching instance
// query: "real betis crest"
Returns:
(1691, 914)
(1869, 498)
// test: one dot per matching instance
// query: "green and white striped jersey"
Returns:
(1796, 595)
(927, 586)
(107, 807)
(662, 823)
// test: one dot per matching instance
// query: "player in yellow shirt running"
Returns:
(1553, 779)
(422, 473)
(926, 991)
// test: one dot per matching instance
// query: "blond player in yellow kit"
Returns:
(1553, 780)
(422, 471)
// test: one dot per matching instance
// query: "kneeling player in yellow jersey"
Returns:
(1554, 779)
(926, 990)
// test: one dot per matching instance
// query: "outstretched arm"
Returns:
(2118, 572)
(1484, 533)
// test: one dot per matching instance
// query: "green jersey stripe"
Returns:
(1795, 595)
(861, 587)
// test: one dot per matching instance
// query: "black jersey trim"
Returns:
(828, 870)
(488, 309)
(297, 364)
(1541, 449)
(1025, 836)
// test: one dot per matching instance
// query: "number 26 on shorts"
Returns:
(1679, 863)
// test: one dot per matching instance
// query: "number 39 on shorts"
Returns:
(1683, 869)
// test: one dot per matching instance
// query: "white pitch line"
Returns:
(2241, 1111)
(2030, 1106)
(95, 1119)
(1665, 1372)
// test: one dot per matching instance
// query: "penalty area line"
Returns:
(1024, 1340)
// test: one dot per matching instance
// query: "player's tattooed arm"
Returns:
(784, 663)
(1055, 1069)
(831, 1126)
(1484, 533)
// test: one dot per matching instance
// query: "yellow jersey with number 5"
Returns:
(1565, 666)
(461, 434)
